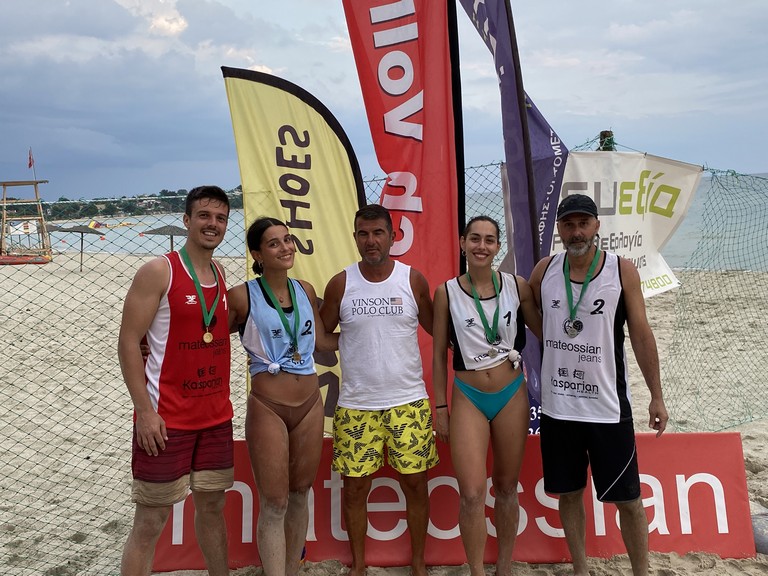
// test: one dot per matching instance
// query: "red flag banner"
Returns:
(403, 61)
(31, 161)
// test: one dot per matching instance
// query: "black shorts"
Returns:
(568, 448)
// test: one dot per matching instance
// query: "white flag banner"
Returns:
(641, 200)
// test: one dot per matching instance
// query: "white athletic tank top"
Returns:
(471, 349)
(378, 344)
(584, 378)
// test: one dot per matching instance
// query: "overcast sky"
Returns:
(125, 97)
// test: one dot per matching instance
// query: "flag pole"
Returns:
(31, 164)
(458, 120)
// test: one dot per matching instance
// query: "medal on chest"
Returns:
(572, 325)
(207, 313)
(293, 334)
(491, 331)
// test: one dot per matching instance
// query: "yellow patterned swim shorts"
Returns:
(359, 438)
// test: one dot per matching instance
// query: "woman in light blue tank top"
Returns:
(280, 328)
(481, 314)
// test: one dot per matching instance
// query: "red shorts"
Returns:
(185, 451)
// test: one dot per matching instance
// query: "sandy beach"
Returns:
(64, 459)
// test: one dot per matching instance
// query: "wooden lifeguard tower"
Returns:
(24, 238)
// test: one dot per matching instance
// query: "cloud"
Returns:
(591, 65)
(161, 17)
(134, 88)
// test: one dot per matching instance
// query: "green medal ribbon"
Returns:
(491, 334)
(569, 291)
(207, 314)
(283, 318)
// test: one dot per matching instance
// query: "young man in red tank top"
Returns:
(182, 435)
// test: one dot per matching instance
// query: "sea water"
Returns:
(130, 238)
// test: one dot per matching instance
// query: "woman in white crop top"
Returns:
(280, 327)
(483, 314)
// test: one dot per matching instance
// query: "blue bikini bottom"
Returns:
(490, 403)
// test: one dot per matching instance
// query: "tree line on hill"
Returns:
(164, 202)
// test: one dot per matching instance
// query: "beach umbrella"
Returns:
(82, 230)
(169, 231)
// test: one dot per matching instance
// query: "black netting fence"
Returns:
(714, 368)
(65, 414)
(66, 417)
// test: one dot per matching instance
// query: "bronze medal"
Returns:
(296, 356)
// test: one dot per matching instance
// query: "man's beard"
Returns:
(578, 251)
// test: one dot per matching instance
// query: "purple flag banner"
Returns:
(549, 155)
(534, 166)
(535, 156)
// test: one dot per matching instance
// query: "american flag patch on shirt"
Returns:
(395, 301)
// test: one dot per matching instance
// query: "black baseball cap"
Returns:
(576, 204)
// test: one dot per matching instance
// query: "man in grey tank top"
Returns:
(379, 304)
(586, 296)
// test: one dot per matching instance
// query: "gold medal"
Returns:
(208, 315)
(296, 356)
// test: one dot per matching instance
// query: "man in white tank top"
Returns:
(379, 304)
(586, 296)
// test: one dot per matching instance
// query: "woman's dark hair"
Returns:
(482, 218)
(255, 233)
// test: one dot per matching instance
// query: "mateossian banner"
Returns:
(694, 503)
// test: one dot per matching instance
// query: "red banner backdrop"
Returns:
(694, 503)
(403, 63)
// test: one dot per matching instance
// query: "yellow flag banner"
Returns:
(297, 165)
